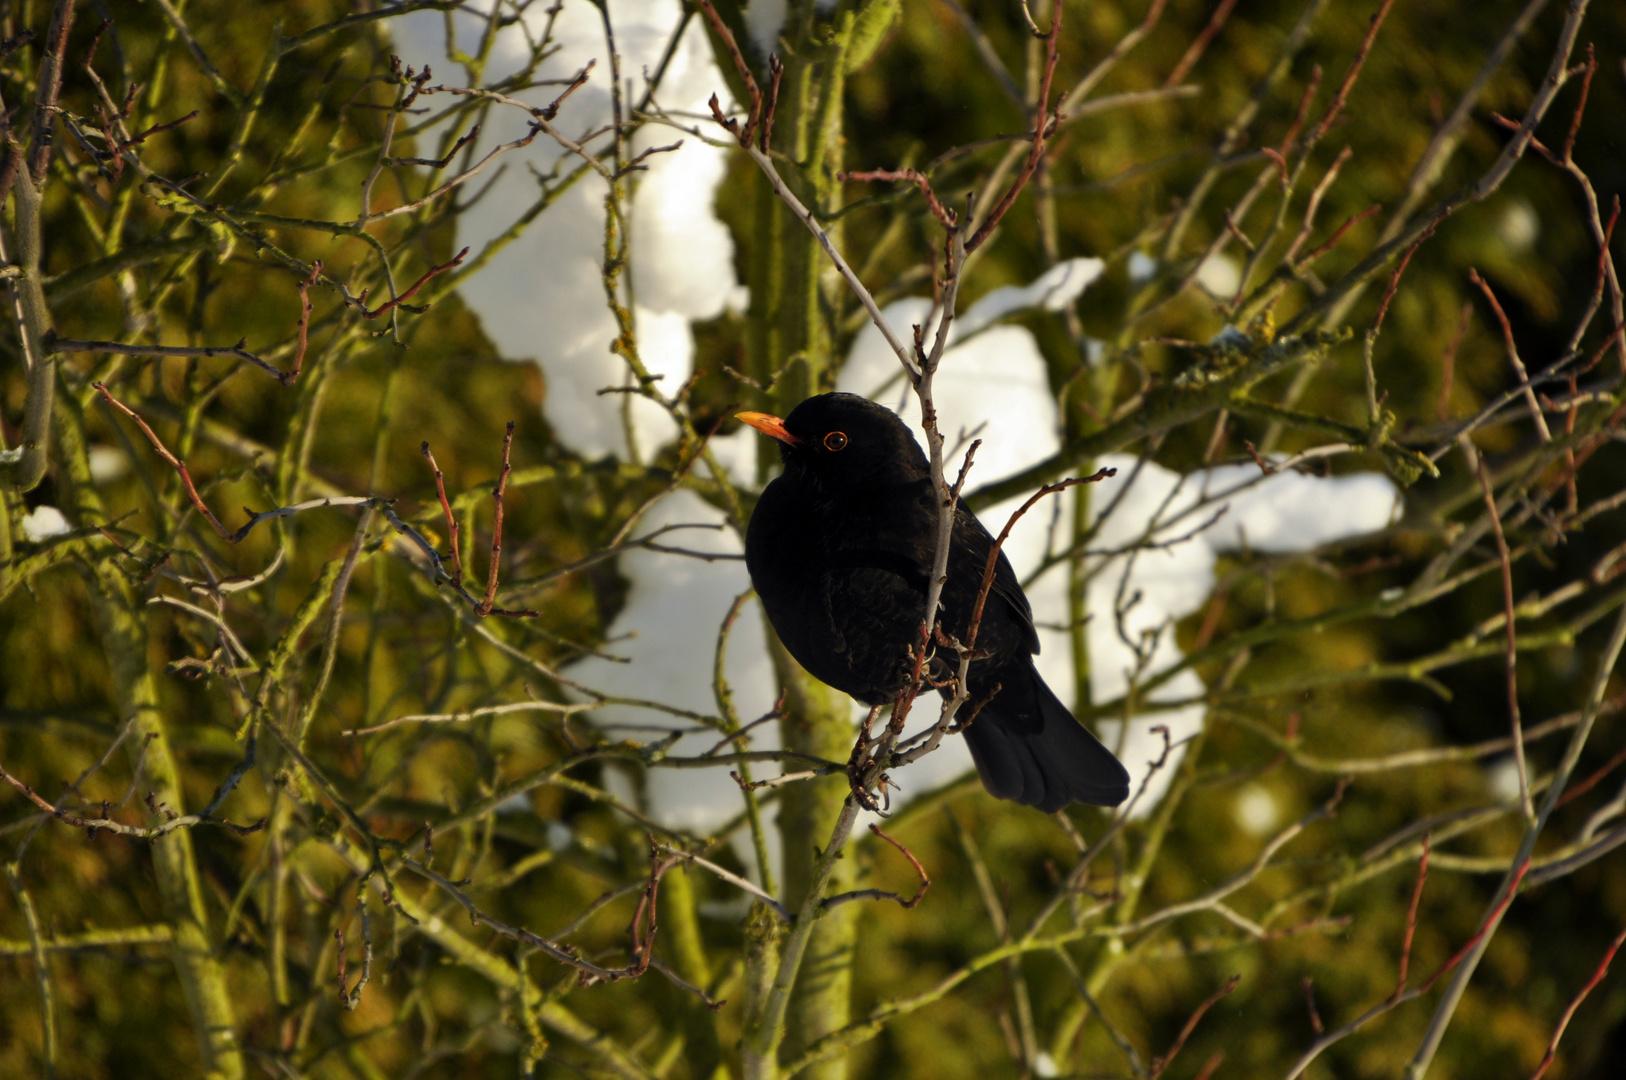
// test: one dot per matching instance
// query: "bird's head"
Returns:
(844, 441)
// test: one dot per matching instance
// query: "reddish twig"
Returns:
(451, 519)
(304, 323)
(943, 214)
(776, 72)
(390, 305)
(993, 553)
(1575, 791)
(1448, 364)
(1160, 1064)
(1605, 269)
(1308, 986)
(1312, 208)
(485, 606)
(1575, 120)
(1041, 134)
(1338, 234)
(1354, 72)
(1301, 114)
(176, 463)
(925, 879)
(117, 148)
(754, 113)
(1484, 927)
(644, 923)
(1411, 923)
(1400, 268)
(1575, 1003)
(1199, 44)
(1513, 354)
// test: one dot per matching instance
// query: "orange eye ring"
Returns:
(836, 440)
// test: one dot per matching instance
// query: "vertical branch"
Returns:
(1516, 728)
(42, 970)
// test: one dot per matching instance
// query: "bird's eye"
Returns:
(836, 440)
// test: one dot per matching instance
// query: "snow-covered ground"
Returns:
(541, 298)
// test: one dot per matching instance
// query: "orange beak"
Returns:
(768, 424)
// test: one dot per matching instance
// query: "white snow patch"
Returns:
(43, 523)
(1051, 291)
(673, 612)
(542, 297)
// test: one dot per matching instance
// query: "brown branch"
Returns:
(444, 160)
(754, 115)
(1302, 114)
(66, 345)
(49, 83)
(1312, 208)
(1575, 791)
(776, 72)
(93, 825)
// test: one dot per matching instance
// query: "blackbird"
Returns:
(840, 551)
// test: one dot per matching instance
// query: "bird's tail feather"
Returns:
(1057, 764)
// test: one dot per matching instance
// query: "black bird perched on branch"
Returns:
(840, 550)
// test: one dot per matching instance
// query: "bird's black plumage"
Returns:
(840, 551)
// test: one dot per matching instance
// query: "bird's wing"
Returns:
(972, 544)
